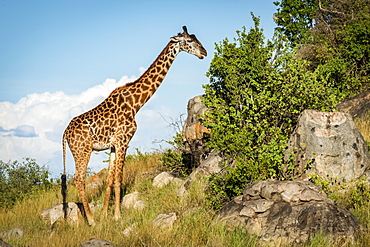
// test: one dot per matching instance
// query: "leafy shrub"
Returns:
(176, 159)
(256, 92)
(17, 179)
(350, 195)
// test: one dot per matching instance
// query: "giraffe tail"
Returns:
(64, 179)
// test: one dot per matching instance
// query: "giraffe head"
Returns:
(189, 43)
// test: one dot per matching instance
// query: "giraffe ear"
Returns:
(174, 39)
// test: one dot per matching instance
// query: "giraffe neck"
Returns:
(144, 87)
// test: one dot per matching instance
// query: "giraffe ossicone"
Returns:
(111, 124)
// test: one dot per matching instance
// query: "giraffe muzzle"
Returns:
(202, 52)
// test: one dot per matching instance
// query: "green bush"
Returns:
(17, 179)
(256, 92)
(176, 159)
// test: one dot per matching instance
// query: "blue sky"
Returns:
(60, 58)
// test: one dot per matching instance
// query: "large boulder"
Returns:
(195, 136)
(358, 106)
(289, 212)
(56, 213)
(328, 144)
(212, 164)
(4, 244)
(194, 131)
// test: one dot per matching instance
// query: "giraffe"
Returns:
(111, 124)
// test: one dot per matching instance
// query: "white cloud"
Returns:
(33, 127)
(142, 70)
(24, 131)
(20, 131)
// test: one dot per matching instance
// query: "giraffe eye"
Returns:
(189, 40)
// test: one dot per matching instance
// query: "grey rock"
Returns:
(132, 201)
(129, 200)
(195, 136)
(56, 213)
(358, 106)
(206, 168)
(194, 131)
(193, 128)
(129, 230)
(93, 242)
(328, 144)
(4, 244)
(13, 233)
(247, 211)
(258, 206)
(177, 181)
(162, 179)
(139, 205)
(165, 221)
(291, 218)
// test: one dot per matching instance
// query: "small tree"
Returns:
(333, 36)
(295, 18)
(17, 179)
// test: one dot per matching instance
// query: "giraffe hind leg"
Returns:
(81, 165)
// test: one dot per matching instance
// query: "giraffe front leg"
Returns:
(118, 181)
(117, 186)
(109, 182)
(121, 149)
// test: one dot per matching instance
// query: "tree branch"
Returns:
(330, 11)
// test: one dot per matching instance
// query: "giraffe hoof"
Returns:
(117, 217)
(91, 222)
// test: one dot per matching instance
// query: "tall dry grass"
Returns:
(140, 167)
(195, 224)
